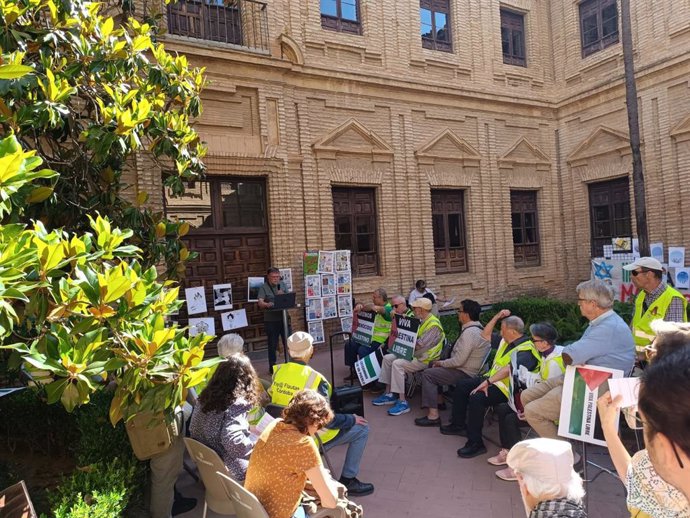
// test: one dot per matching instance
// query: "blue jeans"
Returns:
(356, 440)
(354, 351)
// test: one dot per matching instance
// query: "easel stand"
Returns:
(585, 478)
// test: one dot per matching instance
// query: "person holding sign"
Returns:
(351, 429)
(356, 348)
(428, 336)
(473, 396)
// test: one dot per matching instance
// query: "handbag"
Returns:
(344, 507)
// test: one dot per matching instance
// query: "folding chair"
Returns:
(210, 466)
(16, 503)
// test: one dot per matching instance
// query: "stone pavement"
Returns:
(417, 472)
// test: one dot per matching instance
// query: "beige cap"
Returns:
(543, 459)
(423, 303)
(299, 344)
(645, 262)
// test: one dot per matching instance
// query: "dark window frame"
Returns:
(363, 263)
(206, 20)
(593, 11)
(610, 197)
(433, 43)
(514, 24)
(524, 205)
(445, 254)
(339, 24)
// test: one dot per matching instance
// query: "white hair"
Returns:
(230, 344)
(598, 291)
(543, 489)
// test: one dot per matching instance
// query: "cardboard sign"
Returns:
(365, 327)
(368, 369)
(406, 338)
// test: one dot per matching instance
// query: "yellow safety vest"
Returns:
(551, 362)
(641, 323)
(288, 379)
(502, 359)
(382, 327)
(433, 353)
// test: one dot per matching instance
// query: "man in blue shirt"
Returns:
(607, 342)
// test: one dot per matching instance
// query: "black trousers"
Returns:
(508, 426)
(274, 330)
(469, 410)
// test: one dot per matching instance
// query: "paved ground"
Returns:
(417, 472)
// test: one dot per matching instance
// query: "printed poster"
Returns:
(199, 326)
(657, 251)
(286, 277)
(635, 248)
(316, 331)
(312, 286)
(196, 300)
(682, 278)
(310, 263)
(253, 286)
(344, 282)
(368, 369)
(345, 305)
(234, 319)
(330, 309)
(327, 284)
(406, 337)
(365, 328)
(346, 324)
(676, 256)
(622, 245)
(222, 296)
(342, 260)
(582, 387)
(326, 262)
(314, 309)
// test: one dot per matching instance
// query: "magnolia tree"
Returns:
(80, 303)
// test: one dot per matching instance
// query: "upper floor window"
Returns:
(523, 212)
(341, 15)
(598, 25)
(435, 24)
(513, 38)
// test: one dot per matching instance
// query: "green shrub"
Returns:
(451, 326)
(98, 505)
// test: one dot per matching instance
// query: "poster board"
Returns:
(365, 328)
(406, 336)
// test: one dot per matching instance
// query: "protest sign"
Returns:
(582, 387)
(365, 327)
(406, 337)
(368, 369)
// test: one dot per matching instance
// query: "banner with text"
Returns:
(365, 328)
(406, 338)
(368, 369)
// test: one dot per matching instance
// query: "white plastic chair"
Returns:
(210, 466)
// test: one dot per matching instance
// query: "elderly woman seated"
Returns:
(549, 486)
(657, 478)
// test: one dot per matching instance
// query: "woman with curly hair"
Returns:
(286, 456)
(220, 419)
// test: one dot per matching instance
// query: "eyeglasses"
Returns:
(636, 423)
(398, 304)
(635, 273)
(535, 340)
(583, 300)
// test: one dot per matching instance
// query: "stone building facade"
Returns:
(477, 144)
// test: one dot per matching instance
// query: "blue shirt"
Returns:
(607, 342)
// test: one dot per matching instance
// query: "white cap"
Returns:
(230, 344)
(543, 459)
(645, 262)
(299, 344)
(423, 303)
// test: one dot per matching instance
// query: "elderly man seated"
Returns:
(430, 338)
(466, 358)
(607, 342)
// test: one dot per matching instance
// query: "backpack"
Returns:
(447, 350)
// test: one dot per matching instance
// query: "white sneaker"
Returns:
(500, 459)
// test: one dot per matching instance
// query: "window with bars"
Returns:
(354, 211)
(598, 25)
(513, 38)
(341, 16)
(524, 220)
(435, 24)
(609, 210)
(448, 224)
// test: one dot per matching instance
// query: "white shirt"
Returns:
(414, 295)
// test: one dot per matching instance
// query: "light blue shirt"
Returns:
(607, 342)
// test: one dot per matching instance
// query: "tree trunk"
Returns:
(634, 129)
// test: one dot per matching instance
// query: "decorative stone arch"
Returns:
(290, 50)
(603, 155)
(448, 160)
(524, 165)
(681, 131)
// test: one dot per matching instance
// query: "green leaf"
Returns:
(14, 71)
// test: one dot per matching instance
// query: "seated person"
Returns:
(607, 342)
(419, 291)
(548, 484)
(382, 328)
(466, 359)
(285, 457)
(657, 479)
(509, 414)
(220, 418)
(351, 429)
(473, 396)
(430, 337)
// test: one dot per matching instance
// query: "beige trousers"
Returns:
(542, 405)
(393, 372)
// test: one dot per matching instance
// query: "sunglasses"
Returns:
(636, 423)
(635, 273)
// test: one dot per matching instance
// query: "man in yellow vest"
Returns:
(430, 337)
(655, 300)
(351, 429)
(473, 396)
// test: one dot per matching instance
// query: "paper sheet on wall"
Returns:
(676, 256)
(316, 331)
(312, 286)
(234, 319)
(330, 309)
(326, 262)
(682, 279)
(286, 277)
(253, 286)
(196, 300)
(222, 296)
(657, 251)
(206, 325)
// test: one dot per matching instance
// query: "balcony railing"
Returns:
(240, 22)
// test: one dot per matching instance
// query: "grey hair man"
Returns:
(607, 342)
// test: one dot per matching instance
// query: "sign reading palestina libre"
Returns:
(365, 328)
(582, 387)
(405, 337)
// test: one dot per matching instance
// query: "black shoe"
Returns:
(182, 504)
(355, 487)
(453, 429)
(425, 421)
(471, 450)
